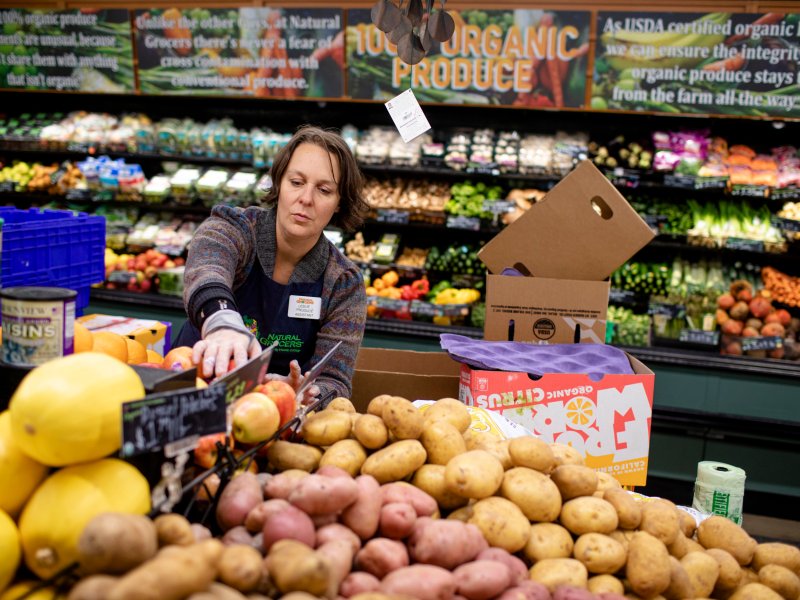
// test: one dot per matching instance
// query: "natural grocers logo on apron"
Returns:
(287, 342)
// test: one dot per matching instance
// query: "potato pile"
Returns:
(409, 503)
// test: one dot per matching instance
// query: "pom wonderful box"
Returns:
(567, 245)
(606, 419)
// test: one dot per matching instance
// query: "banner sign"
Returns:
(81, 50)
(260, 52)
(530, 58)
(718, 63)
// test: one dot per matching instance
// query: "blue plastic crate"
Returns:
(55, 248)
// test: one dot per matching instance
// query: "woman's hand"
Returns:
(219, 347)
(295, 378)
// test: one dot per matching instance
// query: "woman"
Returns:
(259, 275)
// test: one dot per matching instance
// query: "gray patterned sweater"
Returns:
(222, 254)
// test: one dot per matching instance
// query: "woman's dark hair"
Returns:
(352, 206)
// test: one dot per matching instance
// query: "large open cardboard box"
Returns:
(567, 244)
(413, 375)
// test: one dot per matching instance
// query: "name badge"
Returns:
(304, 307)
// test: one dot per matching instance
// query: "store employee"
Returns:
(259, 275)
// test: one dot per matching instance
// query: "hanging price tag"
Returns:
(172, 421)
(394, 216)
(673, 311)
(462, 222)
(618, 296)
(240, 381)
(699, 336)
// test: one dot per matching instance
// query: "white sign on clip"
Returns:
(407, 115)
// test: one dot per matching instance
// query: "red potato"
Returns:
(201, 532)
(570, 592)
(254, 522)
(445, 543)
(359, 583)
(397, 520)
(237, 535)
(238, 498)
(336, 531)
(517, 568)
(526, 590)
(399, 491)
(333, 471)
(339, 555)
(282, 484)
(482, 579)
(290, 523)
(611, 596)
(318, 495)
(322, 520)
(363, 516)
(424, 582)
(381, 556)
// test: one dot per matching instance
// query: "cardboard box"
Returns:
(567, 244)
(607, 420)
(412, 375)
(155, 335)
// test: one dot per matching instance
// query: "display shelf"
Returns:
(140, 299)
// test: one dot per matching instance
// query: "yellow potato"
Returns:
(442, 441)
(660, 520)
(345, 454)
(605, 584)
(371, 432)
(688, 524)
(501, 522)
(474, 474)
(341, 404)
(680, 586)
(623, 536)
(748, 576)
(680, 547)
(554, 572)
(629, 511)
(755, 591)
(430, 479)
(531, 452)
(477, 440)
(288, 455)
(607, 482)
(588, 514)
(375, 406)
(730, 573)
(776, 553)
(535, 493)
(719, 532)
(402, 418)
(781, 580)
(450, 410)
(648, 568)
(327, 427)
(703, 571)
(548, 540)
(463, 514)
(692, 546)
(395, 462)
(499, 449)
(574, 481)
(566, 455)
(599, 553)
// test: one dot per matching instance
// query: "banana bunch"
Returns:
(634, 49)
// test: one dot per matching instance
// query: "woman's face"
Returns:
(309, 194)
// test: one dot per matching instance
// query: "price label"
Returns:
(618, 296)
(242, 380)
(787, 193)
(80, 148)
(699, 336)
(78, 195)
(391, 304)
(394, 216)
(786, 224)
(121, 277)
(761, 343)
(498, 207)
(673, 311)
(710, 183)
(483, 170)
(425, 309)
(7, 186)
(750, 191)
(684, 182)
(462, 222)
(744, 244)
(172, 420)
(624, 178)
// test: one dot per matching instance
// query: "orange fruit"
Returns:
(154, 357)
(179, 359)
(137, 353)
(112, 344)
(84, 339)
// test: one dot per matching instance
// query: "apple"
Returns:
(255, 418)
(284, 397)
(151, 365)
(205, 454)
(178, 359)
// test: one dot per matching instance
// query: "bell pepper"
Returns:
(408, 293)
(422, 286)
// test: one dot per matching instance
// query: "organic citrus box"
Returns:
(154, 335)
(606, 419)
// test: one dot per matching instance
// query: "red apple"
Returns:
(255, 418)
(283, 395)
(151, 365)
(205, 455)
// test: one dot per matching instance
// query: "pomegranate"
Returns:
(722, 317)
(756, 324)
(773, 329)
(740, 311)
(760, 307)
(733, 327)
(784, 318)
(726, 301)
(749, 332)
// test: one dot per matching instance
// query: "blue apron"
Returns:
(264, 306)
